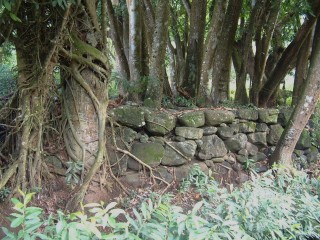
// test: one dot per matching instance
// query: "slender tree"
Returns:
(303, 109)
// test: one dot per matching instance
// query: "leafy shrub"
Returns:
(268, 207)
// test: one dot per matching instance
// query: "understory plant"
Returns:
(276, 205)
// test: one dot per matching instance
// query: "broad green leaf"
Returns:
(16, 222)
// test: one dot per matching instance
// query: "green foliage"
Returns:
(248, 164)
(179, 101)
(27, 219)
(4, 193)
(7, 80)
(268, 207)
(73, 172)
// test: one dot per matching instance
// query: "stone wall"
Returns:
(224, 141)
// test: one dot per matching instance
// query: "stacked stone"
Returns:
(211, 137)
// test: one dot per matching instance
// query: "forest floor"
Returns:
(55, 194)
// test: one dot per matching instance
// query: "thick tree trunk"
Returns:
(85, 100)
(218, 15)
(303, 109)
(192, 73)
(301, 68)
(155, 86)
(222, 58)
(36, 54)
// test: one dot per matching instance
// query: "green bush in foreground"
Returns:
(268, 207)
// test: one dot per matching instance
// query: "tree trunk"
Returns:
(289, 55)
(117, 42)
(192, 73)
(134, 49)
(218, 15)
(255, 19)
(263, 38)
(303, 110)
(36, 54)
(222, 58)
(154, 91)
(301, 68)
(85, 99)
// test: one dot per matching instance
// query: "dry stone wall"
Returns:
(223, 140)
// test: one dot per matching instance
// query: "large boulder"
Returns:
(130, 116)
(259, 139)
(192, 119)
(274, 134)
(269, 116)
(189, 132)
(172, 155)
(237, 142)
(212, 147)
(149, 153)
(216, 117)
(247, 114)
(160, 123)
(304, 141)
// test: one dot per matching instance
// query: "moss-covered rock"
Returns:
(216, 117)
(159, 123)
(259, 139)
(274, 134)
(174, 158)
(247, 114)
(237, 142)
(225, 132)
(304, 141)
(247, 127)
(284, 116)
(192, 119)
(150, 153)
(212, 147)
(189, 132)
(268, 115)
(130, 116)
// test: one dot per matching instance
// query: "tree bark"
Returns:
(222, 58)
(218, 15)
(255, 19)
(134, 49)
(263, 38)
(117, 42)
(154, 91)
(195, 48)
(289, 55)
(301, 68)
(303, 109)
(85, 99)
